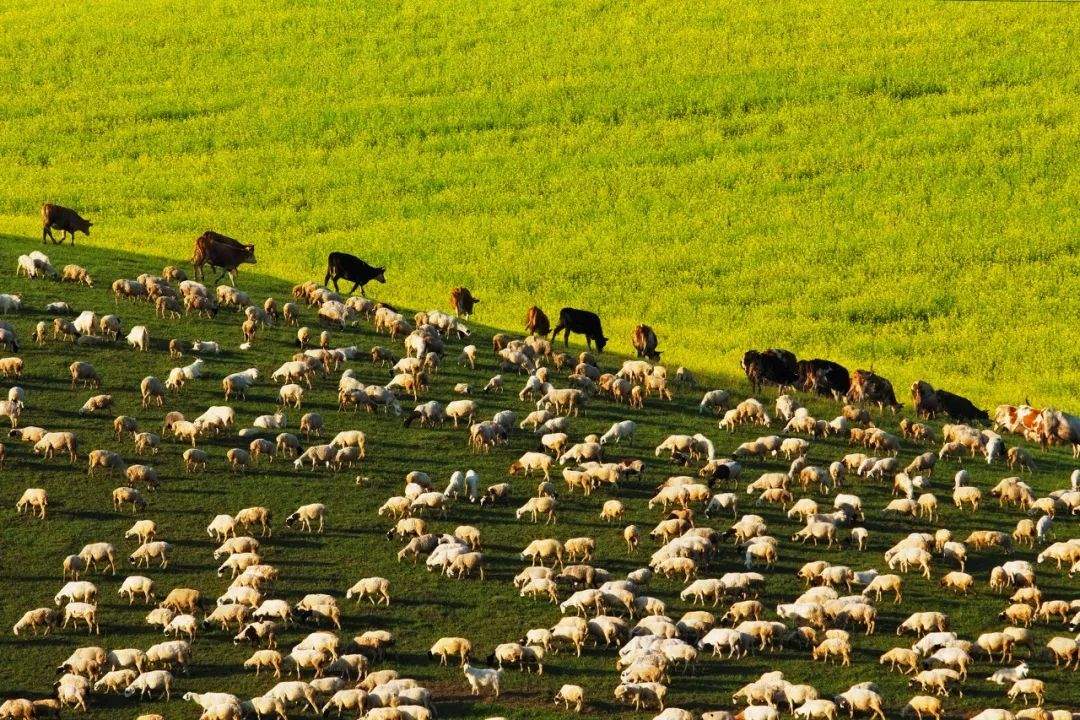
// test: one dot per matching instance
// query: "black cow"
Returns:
(63, 219)
(582, 322)
(960, 408)
(823, 377)
(343, 266)
(222, 253)
(774, 366)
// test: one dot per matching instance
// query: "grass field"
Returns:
(424, 606)
(885, 183)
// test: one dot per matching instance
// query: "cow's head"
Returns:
(380, 274)
(601, 342)
(83, 225)
(251, 254)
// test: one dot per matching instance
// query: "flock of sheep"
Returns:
(649, 648)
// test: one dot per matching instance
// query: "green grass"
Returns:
(886, 183)
(424, 606)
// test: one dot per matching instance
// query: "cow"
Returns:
(537, 322)
(343, 266)
(774, 366)
(221, 253)
(925, 399)
(929, 402)
(1021, 420)
(867, 386)
(644, 342)
(572, 320)
(63, 219)
(823, 377)
(1054, 427)
(961, 409)
(462, 300)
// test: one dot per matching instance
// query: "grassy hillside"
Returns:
(425, 606)
(886, 183)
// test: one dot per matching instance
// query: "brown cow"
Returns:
(644, 342)
(869, 387)
(63, 219)
(219, 251)
(925, 399)
(462, 301)
(537, 322)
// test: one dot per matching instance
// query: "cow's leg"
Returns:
(358, 285)
(555, 333)
(46, 232)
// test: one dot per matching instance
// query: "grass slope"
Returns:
(886, 183)
(424, 606)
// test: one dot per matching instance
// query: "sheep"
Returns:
(84, 373)
(449, 646)
(99, 553)
(862, 699)
(641, 695)
(998, 642)
(11, 367)
(538, 506)
(237, 384)
(87, 612)
(1028, 686)
(570, 695)
(154, 550)
(95, 403)
(35, 619)
(375, 589)
(1064, 649)
(958, 582)
(137, 585)
(920, 705)
(34, 500)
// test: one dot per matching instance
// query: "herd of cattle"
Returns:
(649, 647)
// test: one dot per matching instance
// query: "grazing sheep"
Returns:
(34, 500)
